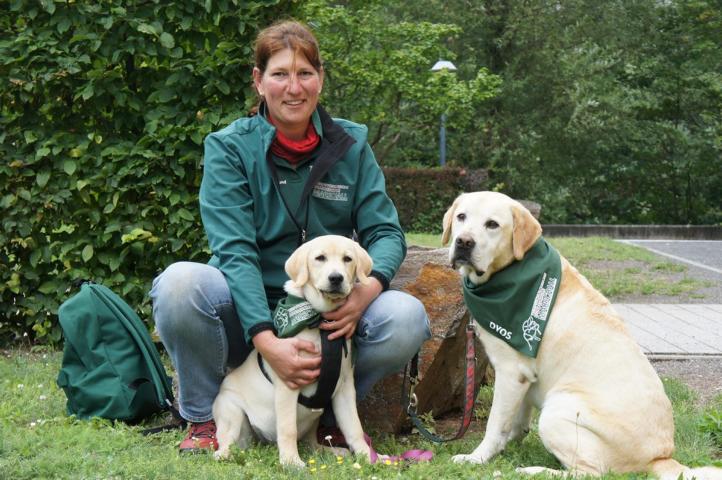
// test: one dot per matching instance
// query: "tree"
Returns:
(378, 73)
(609, 111)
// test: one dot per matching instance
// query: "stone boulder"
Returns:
(426, 275)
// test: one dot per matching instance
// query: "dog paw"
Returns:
(293, 462)
(533, 470)
(222, 454)
(466, 459)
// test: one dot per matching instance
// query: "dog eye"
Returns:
(491, 224)
(321, 258)
(347, 259)
(461, 217)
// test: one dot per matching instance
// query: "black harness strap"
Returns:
(331, 356)
(332, 352)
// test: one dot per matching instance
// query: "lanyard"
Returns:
(304, 199)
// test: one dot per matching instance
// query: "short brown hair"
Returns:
(287, 34)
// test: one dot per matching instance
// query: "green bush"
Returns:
(422, 195)
(104, 109)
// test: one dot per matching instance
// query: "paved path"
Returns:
(675, 329)
(680, 330)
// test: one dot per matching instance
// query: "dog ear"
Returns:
(297, 266)
(364, 263)
(526, 230)
(448, 220)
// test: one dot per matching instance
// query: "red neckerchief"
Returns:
(293, 151)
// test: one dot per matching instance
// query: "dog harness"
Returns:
(294, 314)
(515, 303)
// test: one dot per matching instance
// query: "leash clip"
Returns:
(413, 399)
(413, 403)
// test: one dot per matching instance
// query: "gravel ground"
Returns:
(703, 375)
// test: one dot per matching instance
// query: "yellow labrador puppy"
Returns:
(323, 272)
(603, 408)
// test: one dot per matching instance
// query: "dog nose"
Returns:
(335, 279)
(465, 243)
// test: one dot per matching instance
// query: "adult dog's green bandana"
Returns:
(293, 314)
(515, 304)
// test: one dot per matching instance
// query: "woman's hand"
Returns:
(286, 357)
(345, 318)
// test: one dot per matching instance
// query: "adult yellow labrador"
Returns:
(323, 272)
(567, 353)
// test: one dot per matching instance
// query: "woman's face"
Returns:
(290, 86)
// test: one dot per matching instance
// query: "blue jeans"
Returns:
(192, 302)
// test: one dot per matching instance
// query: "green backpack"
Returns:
(111, 369)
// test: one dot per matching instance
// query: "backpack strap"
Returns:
(164, 391)
(180, 423)
(80, 347)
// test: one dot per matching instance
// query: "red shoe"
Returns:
(201, 437)
(330, 437)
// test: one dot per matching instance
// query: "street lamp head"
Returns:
(443, 65)
(438, 67)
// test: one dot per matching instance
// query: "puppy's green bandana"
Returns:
(515, 304)
(293, 314)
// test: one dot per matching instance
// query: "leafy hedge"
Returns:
(423, 195)
(104, 108)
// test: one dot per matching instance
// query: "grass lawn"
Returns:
(39, 441)
(616, 269)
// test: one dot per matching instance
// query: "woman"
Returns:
(255, 213)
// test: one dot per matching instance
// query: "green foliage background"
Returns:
(104, 109)
(609, 112)
(603, 112)
(378, 72)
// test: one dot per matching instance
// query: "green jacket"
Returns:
(249, 230)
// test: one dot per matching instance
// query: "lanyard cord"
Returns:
(333, 146)
(307, 191)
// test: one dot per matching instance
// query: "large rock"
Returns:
(426, 275)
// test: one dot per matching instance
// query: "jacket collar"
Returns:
(330, 131)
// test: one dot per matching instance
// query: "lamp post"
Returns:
(439, 66)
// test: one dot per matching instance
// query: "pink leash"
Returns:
(410, 455)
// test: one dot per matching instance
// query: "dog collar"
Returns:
(515, 303)
(293, 314)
